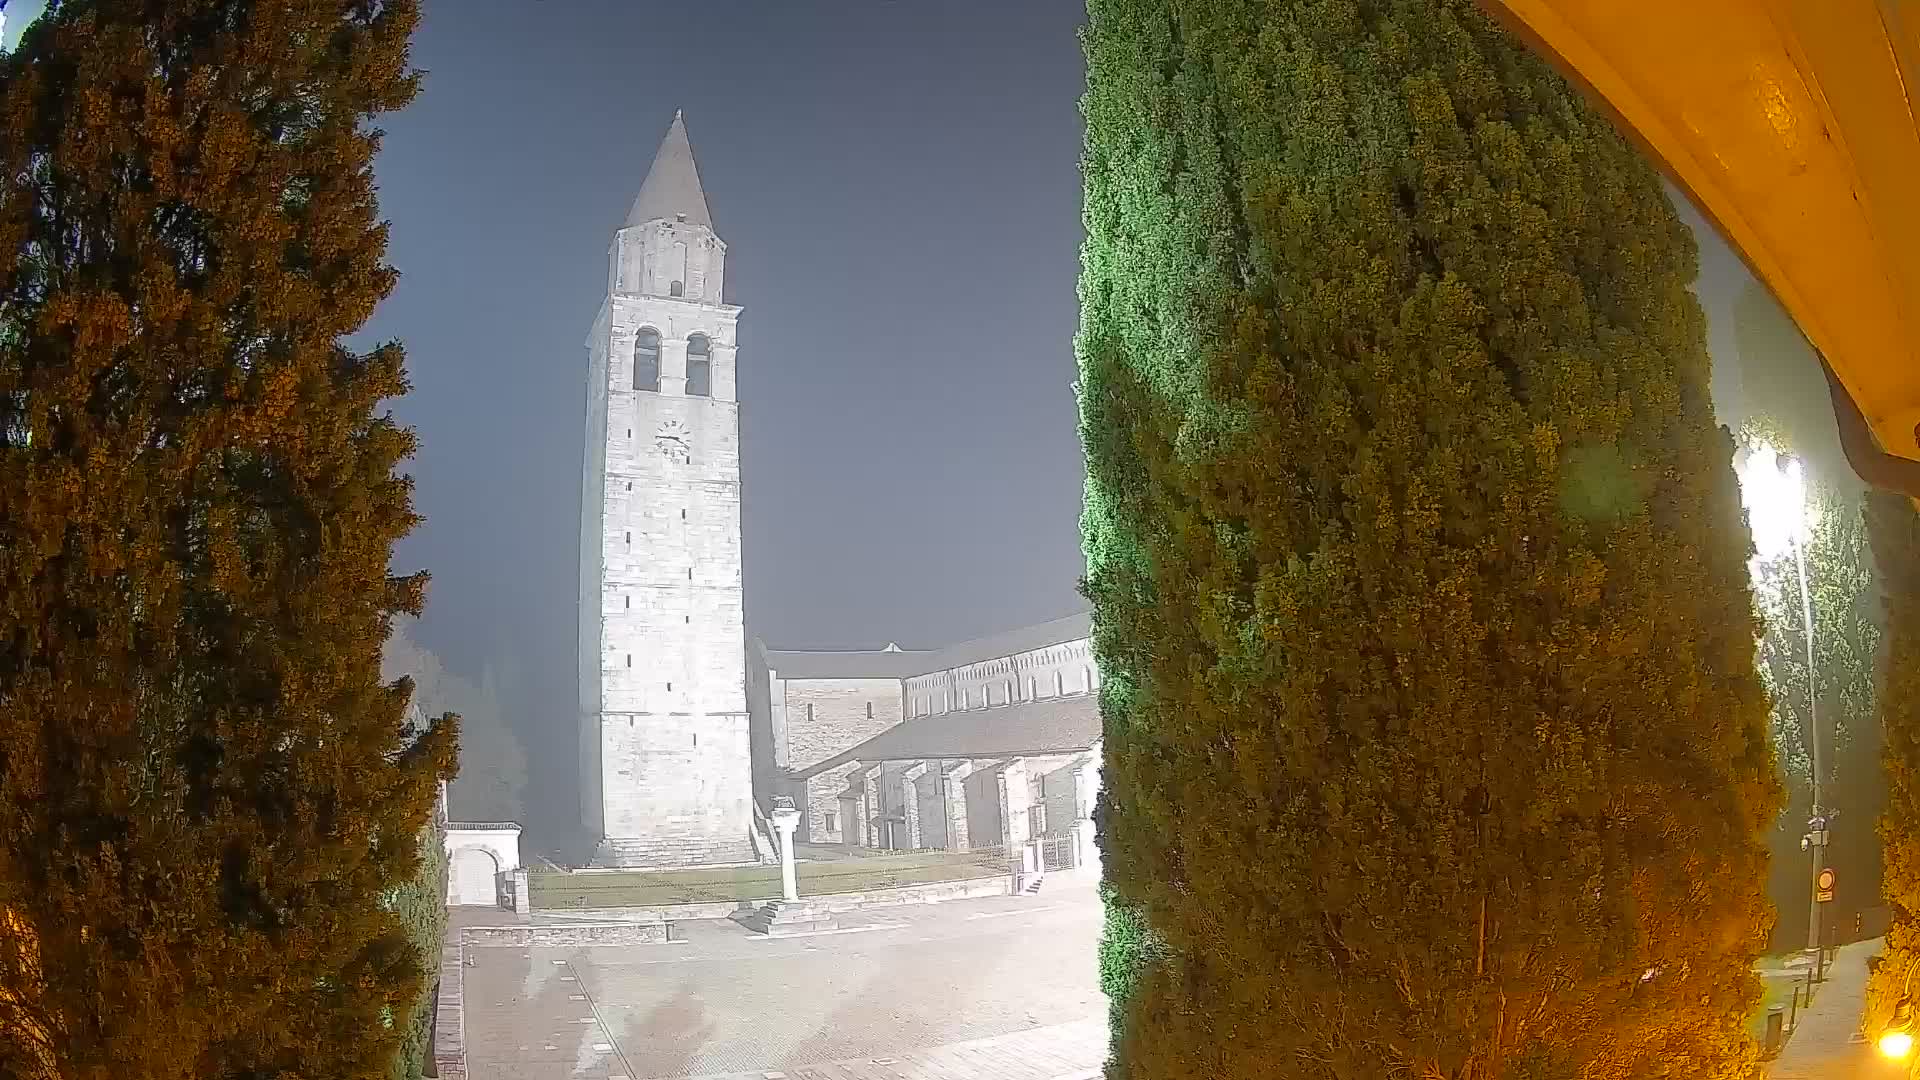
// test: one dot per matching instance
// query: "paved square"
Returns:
(1005, 987)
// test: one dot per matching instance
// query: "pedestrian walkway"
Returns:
(1060, 1052)
(1827, 1044)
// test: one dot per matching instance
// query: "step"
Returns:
(667, 851)
(780, 918)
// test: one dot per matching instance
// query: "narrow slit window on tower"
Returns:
(699, 366)
(629, 538)
(683, 515)
(689, 573)
(626, 602)
(869, 710)
(646, 360)
(669, 688)
(629, 659)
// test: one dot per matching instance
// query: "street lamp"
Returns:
(1773, 489)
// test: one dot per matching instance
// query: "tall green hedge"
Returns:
(1434, 744)
(422, 907)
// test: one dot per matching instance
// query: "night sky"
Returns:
(897, 185)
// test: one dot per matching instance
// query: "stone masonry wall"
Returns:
(1059, 670)
(823, 718)
(674, 764)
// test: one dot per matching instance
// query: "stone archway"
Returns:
(473, 879)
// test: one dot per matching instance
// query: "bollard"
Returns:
(1794, 1019)
(1776, 1030)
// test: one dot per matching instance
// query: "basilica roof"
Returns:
(894, 662)
(1025, 729)
(891, 664)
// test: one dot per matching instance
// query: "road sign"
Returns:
(1823, 885)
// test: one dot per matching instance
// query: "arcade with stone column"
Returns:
(990, 746)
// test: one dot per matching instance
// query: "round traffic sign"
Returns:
(1826, 878)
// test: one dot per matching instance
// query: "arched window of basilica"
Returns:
(646, 359)
(699, 367)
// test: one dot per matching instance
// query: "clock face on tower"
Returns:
(671, 440)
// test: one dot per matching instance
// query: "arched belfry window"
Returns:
(646, 359)
(677, 289)
(699, 367)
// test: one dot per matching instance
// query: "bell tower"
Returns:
(666, 770)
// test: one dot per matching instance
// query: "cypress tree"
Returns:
(207, 794)
(1434, 744)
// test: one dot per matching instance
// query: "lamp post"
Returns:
(1773, 487)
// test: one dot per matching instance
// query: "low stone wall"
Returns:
(999, 885)
(631, 932)
(837, 903)
(672, 913)
(450, 1015)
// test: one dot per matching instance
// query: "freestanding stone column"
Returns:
(785, 820)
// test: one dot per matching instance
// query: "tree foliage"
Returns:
(1844, 596)
(1783, 396)
(207, 793)
(493, 765)
(1895, 532)
(1434, 744)
(421, 905)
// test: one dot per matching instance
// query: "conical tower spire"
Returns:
(672, 189)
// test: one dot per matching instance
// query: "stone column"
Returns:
(850, 820)
(853, 807)
(785, 820)
(673, 366)
(870, 800)
(910, 803)
(522, 900)
(953, 800)
(1016, 796)
(1086, 791)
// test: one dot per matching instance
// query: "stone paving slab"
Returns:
(1002, 987)
(1824, 1044)
(1060, 1052)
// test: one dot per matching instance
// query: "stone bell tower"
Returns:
(666, 770)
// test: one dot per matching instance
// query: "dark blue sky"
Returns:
(896, 182)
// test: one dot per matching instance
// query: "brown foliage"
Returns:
(206, 792)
